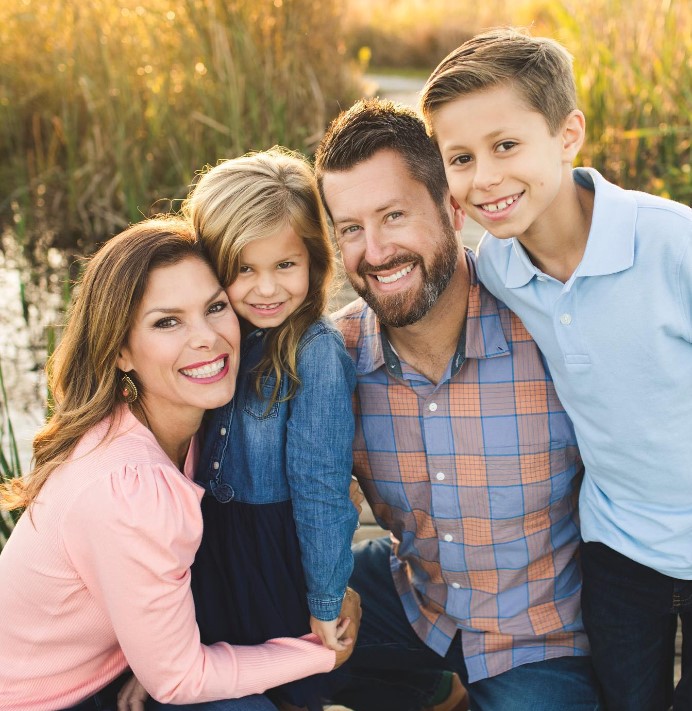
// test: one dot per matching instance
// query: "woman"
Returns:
(95, 577)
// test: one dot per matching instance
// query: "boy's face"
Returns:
(503, 166)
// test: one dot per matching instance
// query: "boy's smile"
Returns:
(503, 165)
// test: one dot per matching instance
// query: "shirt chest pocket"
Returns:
(529, 481)
(257, 405)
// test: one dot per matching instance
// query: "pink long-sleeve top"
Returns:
(99, 580)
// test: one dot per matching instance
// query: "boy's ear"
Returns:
(573, 133)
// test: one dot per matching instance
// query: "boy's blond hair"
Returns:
(538, 68)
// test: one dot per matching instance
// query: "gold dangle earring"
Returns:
(129, 389)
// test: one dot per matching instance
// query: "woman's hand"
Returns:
(132, 696)
(349, 619)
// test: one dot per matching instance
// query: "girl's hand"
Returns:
(132, 696)
(329, 633)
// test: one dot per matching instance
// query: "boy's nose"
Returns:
(486, 175)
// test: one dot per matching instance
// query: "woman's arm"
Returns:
(132, 537)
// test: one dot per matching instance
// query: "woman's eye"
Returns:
(167, 322)
(218, 307)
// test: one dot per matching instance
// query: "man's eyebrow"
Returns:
(381, 208)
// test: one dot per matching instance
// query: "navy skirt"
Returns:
(249, 586)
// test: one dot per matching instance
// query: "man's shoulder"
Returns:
(355, 320)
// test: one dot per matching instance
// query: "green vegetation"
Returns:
(9, 460)
(107, 109)
(632, 59)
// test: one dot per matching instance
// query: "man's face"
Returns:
(398, 247)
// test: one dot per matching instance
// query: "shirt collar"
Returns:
(481, 337)
(610, 246)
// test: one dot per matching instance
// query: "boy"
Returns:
(602, 278)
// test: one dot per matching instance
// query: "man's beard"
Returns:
(407, 307)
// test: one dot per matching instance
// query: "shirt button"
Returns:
(222, 431)
(215, 465)
(432, 406)
(440, 476)
(449, 537)
(566, 319)
(456, 586)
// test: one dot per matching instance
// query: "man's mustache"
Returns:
(365, 268)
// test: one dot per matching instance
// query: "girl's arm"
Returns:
(319, 463)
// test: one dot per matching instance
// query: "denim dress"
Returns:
(278, 520)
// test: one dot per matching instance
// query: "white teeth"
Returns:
(395, 277)
(500, 205)
(206, 371)
(267, 307)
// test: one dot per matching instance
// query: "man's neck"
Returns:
(429, 344)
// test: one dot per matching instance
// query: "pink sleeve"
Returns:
(132, 537)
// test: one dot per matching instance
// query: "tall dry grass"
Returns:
(633, 63)
(105, 107)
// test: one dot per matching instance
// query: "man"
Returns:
(462, 448)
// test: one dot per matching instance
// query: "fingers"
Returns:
(132, 696)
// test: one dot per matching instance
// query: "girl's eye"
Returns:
(285, 265)
(218, 307)
(460, 160)
(244, 269)
(506, 146)
(167, 322)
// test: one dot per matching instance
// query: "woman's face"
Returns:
(184, 343)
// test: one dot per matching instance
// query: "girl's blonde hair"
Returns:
(251, 197)
(82, 372)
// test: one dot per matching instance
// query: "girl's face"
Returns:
(184, 342)
(273, 279)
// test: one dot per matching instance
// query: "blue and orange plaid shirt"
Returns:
(477, 480)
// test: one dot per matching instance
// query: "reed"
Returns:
(108, 109)
(633, 63)
(10, 465)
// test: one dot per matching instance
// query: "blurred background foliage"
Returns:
(108, 108)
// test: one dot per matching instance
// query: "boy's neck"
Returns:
(557, 246)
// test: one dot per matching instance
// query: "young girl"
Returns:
(275, 557)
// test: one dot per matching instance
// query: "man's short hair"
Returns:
(372, 125)
(538, 68)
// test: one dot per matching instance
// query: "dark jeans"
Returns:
(631, 614)
(107, 699)
(392, 670)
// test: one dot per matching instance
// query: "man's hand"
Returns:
(356, 495)
(349, 618)
(132, 696)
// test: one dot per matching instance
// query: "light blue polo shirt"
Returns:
(618, 339)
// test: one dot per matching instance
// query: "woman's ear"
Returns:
(124, 361)
(573, 133)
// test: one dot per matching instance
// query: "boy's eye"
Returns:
(167, 322)
(460, 160)
(285, 265)
(506, 145)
